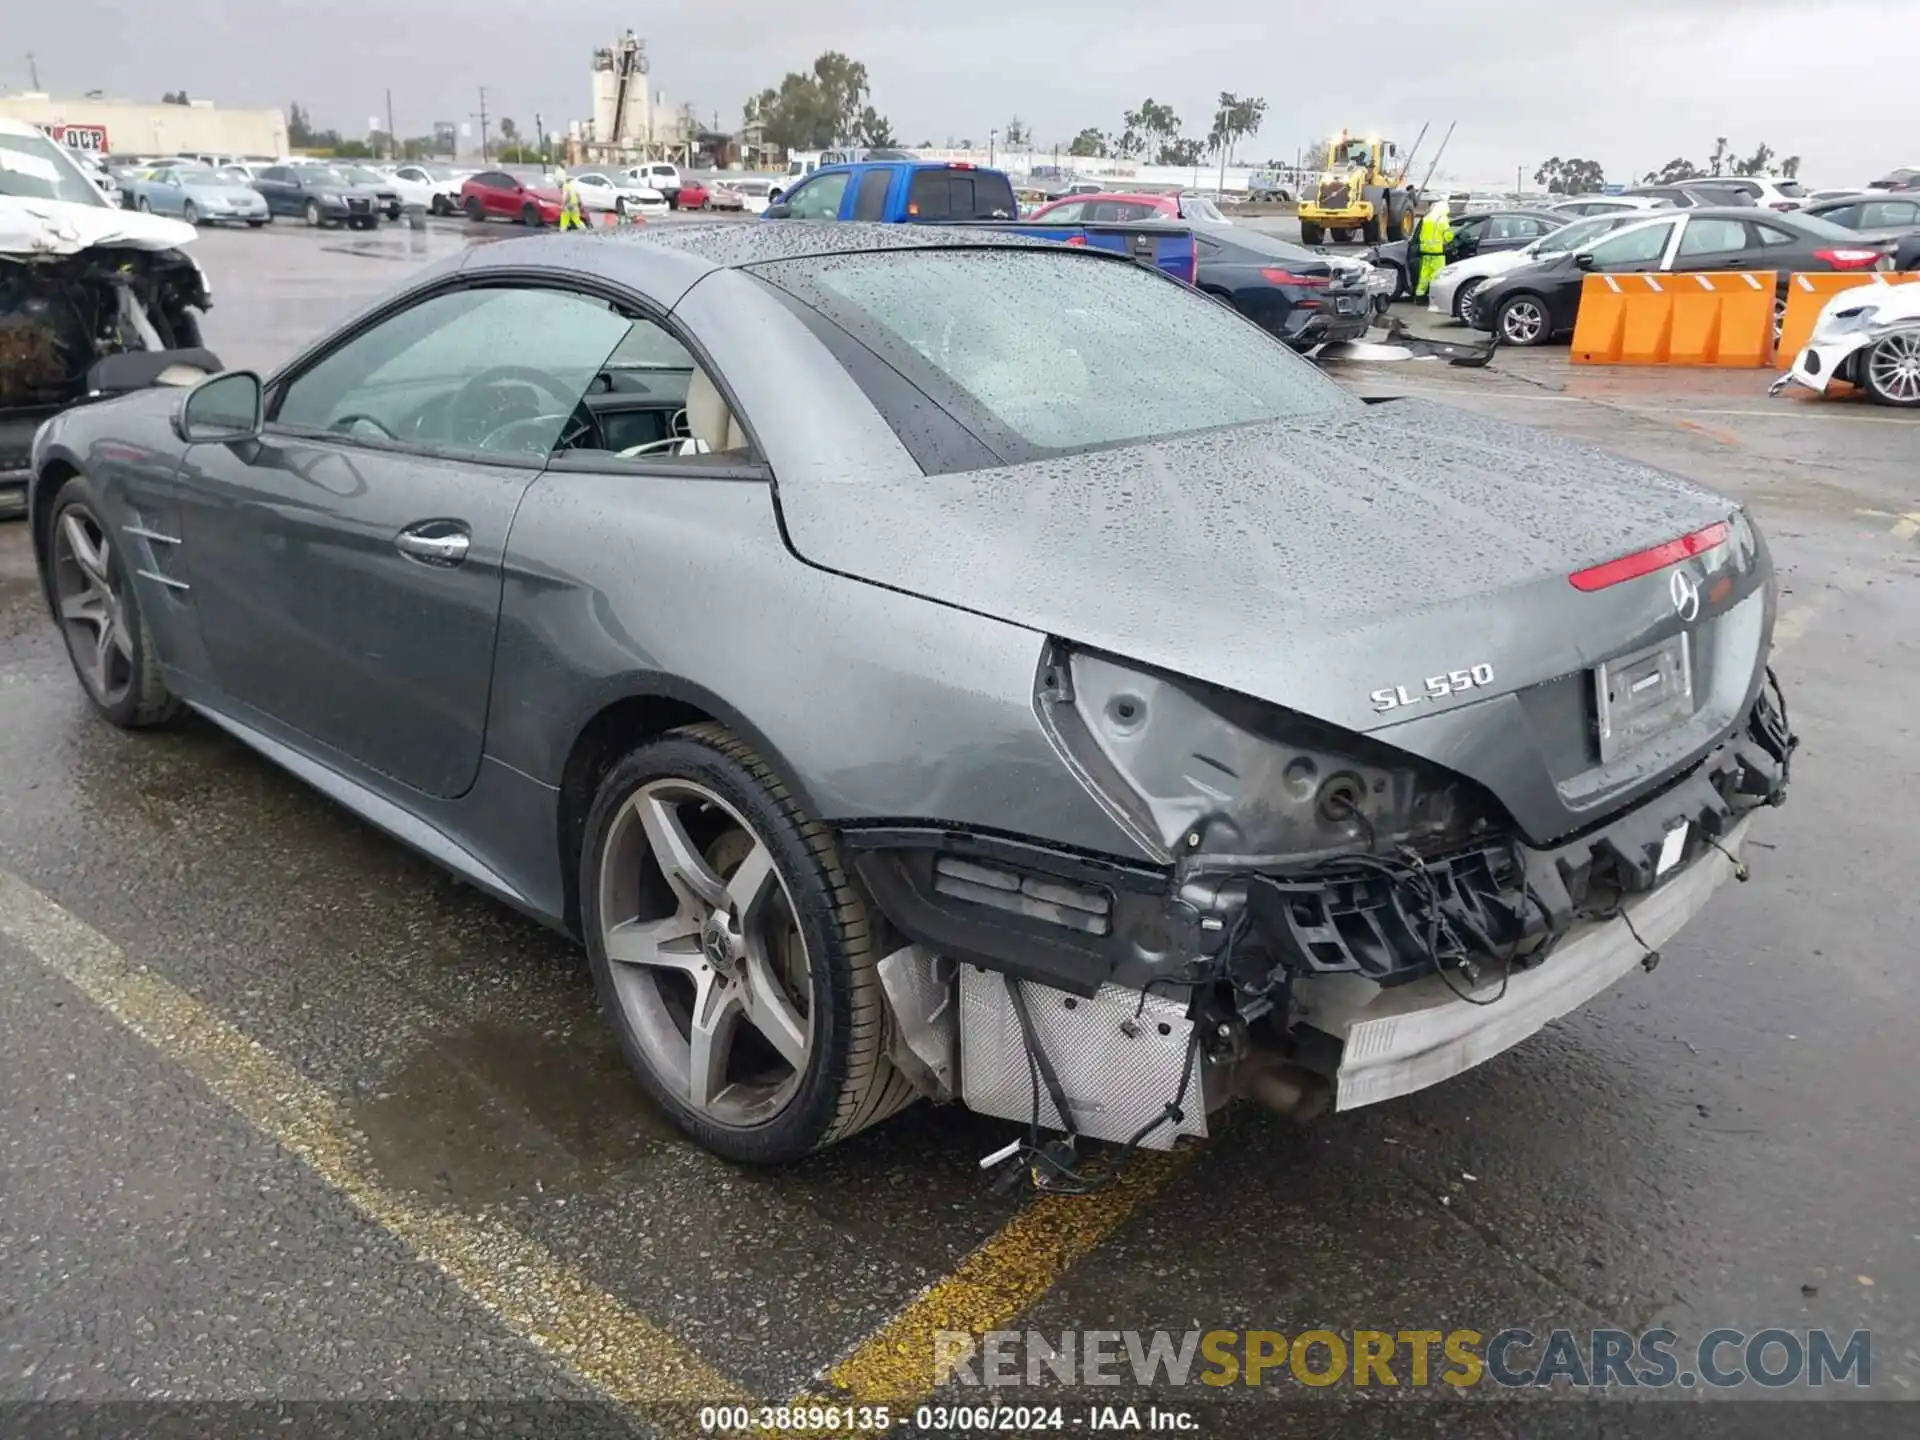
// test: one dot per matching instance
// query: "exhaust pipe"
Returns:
(1282, 1086)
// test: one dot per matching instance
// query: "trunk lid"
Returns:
(1312, 564)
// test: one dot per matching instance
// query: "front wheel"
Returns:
(438, 206)
(144, 206)
(99, 614)
(1523, 321)
(1311, 234)
(255, 224)
(530, 216)
(190, 213)
(313, 214)
(734, 957)
(1463, 300)
(1890, 369)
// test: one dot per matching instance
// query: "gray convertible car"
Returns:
(919, 662)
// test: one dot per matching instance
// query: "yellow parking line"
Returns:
(997, 1283)
(533, 1293)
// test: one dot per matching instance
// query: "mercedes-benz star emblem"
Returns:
(1685, 591)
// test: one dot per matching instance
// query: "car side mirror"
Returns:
(225, 408)
(779, 210)
(1583, 260)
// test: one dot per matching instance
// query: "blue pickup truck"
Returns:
(951, 192)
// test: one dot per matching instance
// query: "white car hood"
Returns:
(35, 228)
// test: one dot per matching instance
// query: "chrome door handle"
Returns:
(434, 542)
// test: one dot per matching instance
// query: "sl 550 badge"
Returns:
(1438, 687)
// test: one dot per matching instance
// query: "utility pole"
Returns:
(33, 69)
(481, 116)
(393, 139)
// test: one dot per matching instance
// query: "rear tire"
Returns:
(1311, 234)
(255, 224)
(804, 932)
(99, 614)
(476, 212)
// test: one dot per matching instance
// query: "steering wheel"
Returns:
(466, 419)
(345, 423)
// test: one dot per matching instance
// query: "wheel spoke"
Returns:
(672, 943)
(89, 557)
(103, 648)
(682, 864)
(88, 608)
(716, 1014)
(750, 884)
(770, 1012)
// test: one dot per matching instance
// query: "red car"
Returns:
(1107, 208)
(693, 196)
(496, 195)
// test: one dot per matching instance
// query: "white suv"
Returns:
(657, 175)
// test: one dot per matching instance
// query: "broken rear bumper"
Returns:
(1398, 1039)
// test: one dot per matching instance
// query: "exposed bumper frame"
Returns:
(1396, 1040)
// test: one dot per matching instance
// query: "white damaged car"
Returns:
(1868, 336)
(94, 300)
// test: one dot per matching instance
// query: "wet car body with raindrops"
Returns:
(1112, 691)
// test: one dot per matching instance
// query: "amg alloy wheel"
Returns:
(107, 637)
(1891, 369)
(1523, 321)
(734, 958)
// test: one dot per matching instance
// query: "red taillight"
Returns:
(1287, 277)
(1848, 259)
(1645, 562)
(961, 165)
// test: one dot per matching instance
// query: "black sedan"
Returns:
(1539, 302)
(1895, 217)
(1302, 297)
(320, 195)
(1476, 234)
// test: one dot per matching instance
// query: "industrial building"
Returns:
(127, 127)
(630, 119)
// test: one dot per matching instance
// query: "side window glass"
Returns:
(870, 201)
(1850, 217)
(484, 372)
(1067, 214)
(1773, 235)
(1636, 247)
(819, 199)
(930, 196)
(1885, 214)
(1712, 237)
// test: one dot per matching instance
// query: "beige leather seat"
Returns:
(708, 417)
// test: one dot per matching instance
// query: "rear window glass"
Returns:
(1042, 354)
(960, 195)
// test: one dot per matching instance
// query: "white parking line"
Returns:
(534, 1293)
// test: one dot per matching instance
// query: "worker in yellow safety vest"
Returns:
(571, 217)
(1436, 234)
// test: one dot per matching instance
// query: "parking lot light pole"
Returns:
(992, 135)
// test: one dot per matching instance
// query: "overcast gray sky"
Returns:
(1631, 83)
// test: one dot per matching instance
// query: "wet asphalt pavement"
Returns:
(1731, 1140)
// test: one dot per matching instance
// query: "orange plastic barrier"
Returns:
(1722, 318)
(1807, 296)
